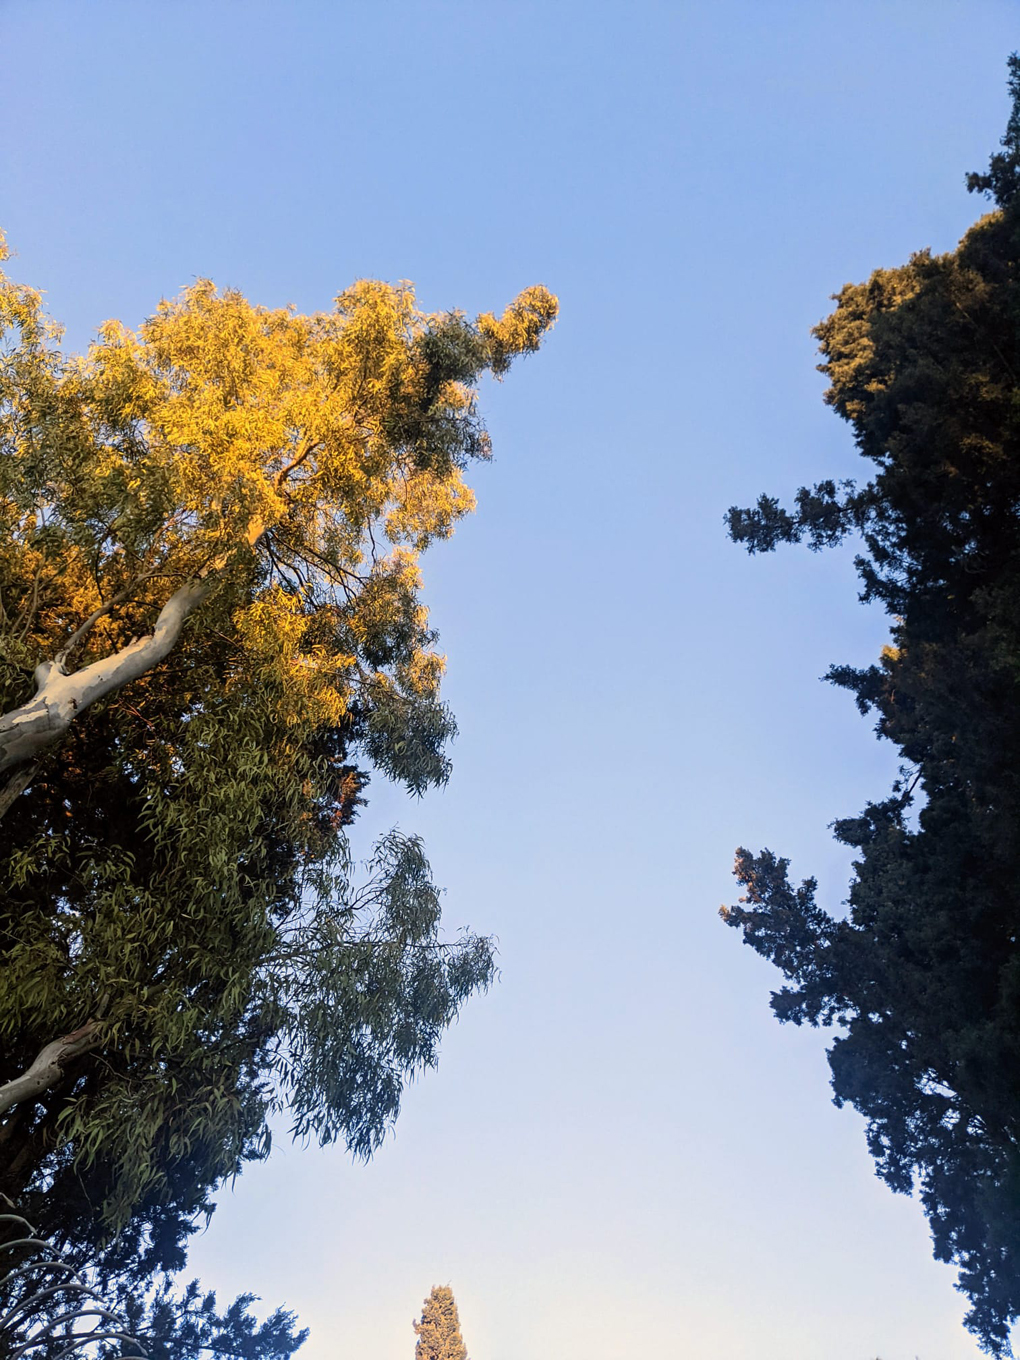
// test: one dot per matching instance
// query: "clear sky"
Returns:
(621, 1153)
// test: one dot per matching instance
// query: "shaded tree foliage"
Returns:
(438, 1332)
(211, 630)
(54, 1304)
(186, 1324)
(923, 975)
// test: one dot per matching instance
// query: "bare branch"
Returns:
(48, 1068)
(29, 610)
(309, 448)
(97, 614)
(27, 731)
(17, 784)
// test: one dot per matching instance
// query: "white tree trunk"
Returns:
(49, 1066)
(26, 732)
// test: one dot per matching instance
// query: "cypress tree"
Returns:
(921, 977)
(438, 1332)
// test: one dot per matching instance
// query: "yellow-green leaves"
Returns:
(278, 452)
(520, 329)
(181, 853)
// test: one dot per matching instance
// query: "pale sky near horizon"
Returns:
(621, 1153)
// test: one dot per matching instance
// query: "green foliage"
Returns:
(185, 1324)
(202, 890)
(178, 869)
(923, 976)
(1002, 179)
(438, 1331)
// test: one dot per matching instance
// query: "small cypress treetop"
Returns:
(438, 1332)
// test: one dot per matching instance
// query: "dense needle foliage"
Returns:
(923, 976)
(186, 1324)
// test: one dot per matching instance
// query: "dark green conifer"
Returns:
(438, 1332)
(921, 977)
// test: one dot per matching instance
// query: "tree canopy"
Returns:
(922, 977)
(48, 1305)
(211, 632)
(438, 1332)
(186, 1324)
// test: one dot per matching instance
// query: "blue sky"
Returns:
(621, 1153)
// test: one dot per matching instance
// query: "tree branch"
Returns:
(48, 1068)
(97, 614)
(26, 732)
(285, 472)
(18, 783)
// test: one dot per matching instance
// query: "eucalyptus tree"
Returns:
(211, 632)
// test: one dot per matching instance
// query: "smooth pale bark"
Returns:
(26, 732)
(18, 783)
(49, 1065)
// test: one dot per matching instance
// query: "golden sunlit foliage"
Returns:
(296, 465)
(438, 1332)
(211, 630)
